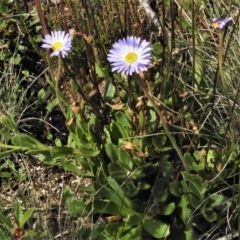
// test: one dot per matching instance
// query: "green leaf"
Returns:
(30, 233)
(5, 220)
(26, 141)
(166, 169)
(125, 160)
(18, 212)
(159, 142)
(117, 188)
(133, 220)
(184, 209)
(179, 233)
(102, 206)
(194, 201)
(8, 122)
(159, 188)
(3, 236)
(118, 229)
(26, 217)
(6, 134)
(191, 162)
(112, 196)
(5, 174)
(122, 120)
(174, 188)
(157, 48)
(167, 209)
(110, 91)
(41, 94)
(209, 214)
(117, 172)
(112, 151)
(197, 186)
(58, 142)
(156, 228)
(87, 152)
(7, 154)
(75, 206)
(101, 72)
(61, 151)
(134, 233)
(72, 168)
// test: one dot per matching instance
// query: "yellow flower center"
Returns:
(57, 46)
(131, 57)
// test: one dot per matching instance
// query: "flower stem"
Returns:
(224, 84)
(164, 123)
(57, 79)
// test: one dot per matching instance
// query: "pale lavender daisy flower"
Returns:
(59, 41)
(221, 23)
(129, 55)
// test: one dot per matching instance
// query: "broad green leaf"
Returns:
(5, 220)
(184, 209)
(156, 228)
(93, 152)
(27, 141)
(6, 134)
(134, 233)
(58, 142)
(7, 154)
(190, 234)
(102, 206)
(133, 219)
(122, 120)
(5, 174)
(51, 105)
(118, 229)
(29, 233)
(72, 168)
(110, 91)
(166, 169)
(159, 187)
(3, 236)
(195, 190)
(112, 151)
(167, 209)
(101, 72)
(61, 151)
(118, 132)
(174, 188)
(8, 122)
(209, 214)
(117, 188)
(91, 233)
(191, 162)
(18, 212)
(75, 206)
(159, 141)
(26, 216)
(194, 201)
(125, 160)
(157, 48)
(41, 94)
(197, 186)
(117, 172)
(112, 196)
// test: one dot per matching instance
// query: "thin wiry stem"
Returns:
(57, 79)
(164, 124)
(221, 71)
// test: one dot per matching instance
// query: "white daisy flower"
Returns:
(59, 41)
(129, 55)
